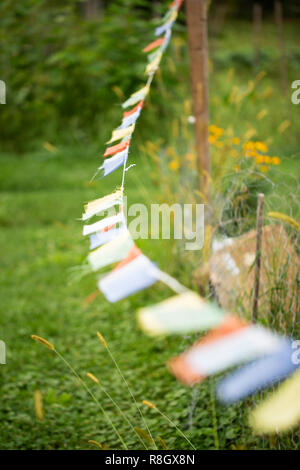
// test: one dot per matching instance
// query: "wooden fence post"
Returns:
(259, 227)
(197, 38)
(257, 23)
(281, 45)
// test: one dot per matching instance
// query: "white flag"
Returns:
(136, 275)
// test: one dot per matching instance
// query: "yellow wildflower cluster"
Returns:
(256, 150)
(230, 144)
(215, 134)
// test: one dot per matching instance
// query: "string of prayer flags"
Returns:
(281, 411)
(131, 119)
(121, 133)
(231, 340)
(152, 66)
(179, 365)
(231, 343)
(168, 25)
(182, 313)
(111, 252)
(177, 4)
(130, 277)
(113, 149)
(102, 204)
(104, 223)
(137, 96)
(113, 163)
(137, 107)
(99, 238)
(257, 375)
(153, 45)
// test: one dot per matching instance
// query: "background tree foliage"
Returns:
(62, 62)
(60, 68)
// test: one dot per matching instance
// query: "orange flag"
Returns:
(116, 148)
(133, 110)
(133, 253)
(178, 365)
(154, 44)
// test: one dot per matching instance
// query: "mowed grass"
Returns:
(41, 241)
(42, 195)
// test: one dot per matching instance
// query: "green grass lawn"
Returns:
(42, 195)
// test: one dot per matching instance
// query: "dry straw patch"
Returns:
(232, 276)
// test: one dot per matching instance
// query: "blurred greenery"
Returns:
(65, 78)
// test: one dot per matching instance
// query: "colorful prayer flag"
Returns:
(179, 366)
(180, 314)
(99, 238)
(111, 252)
(116, 148)
(139, 106)
(102, 204)
(137, 96)
(281, 411)
(153, 45)
(121, 133)
(244, 344)
(131, 119)
(152, 66)
(104, 223)
(131, 277)
(259, 374)
(113, 163)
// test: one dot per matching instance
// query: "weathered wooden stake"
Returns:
(281, 44)
(257, 23)
(259, 227)
(197, 35)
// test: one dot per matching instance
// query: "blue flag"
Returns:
(258, 375)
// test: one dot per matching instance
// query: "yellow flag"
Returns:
(152, 66)
(121, 133)
(281, 411)
(99, 205)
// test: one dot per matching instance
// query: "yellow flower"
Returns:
(264, 168)
(248, 146)
(219, 144)
(259, 159)
(267, 159)
(236, 140)
(174, 165)
(252, 153)
(276, 160)
(261, 147)
(217, 131)
(212, 139)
